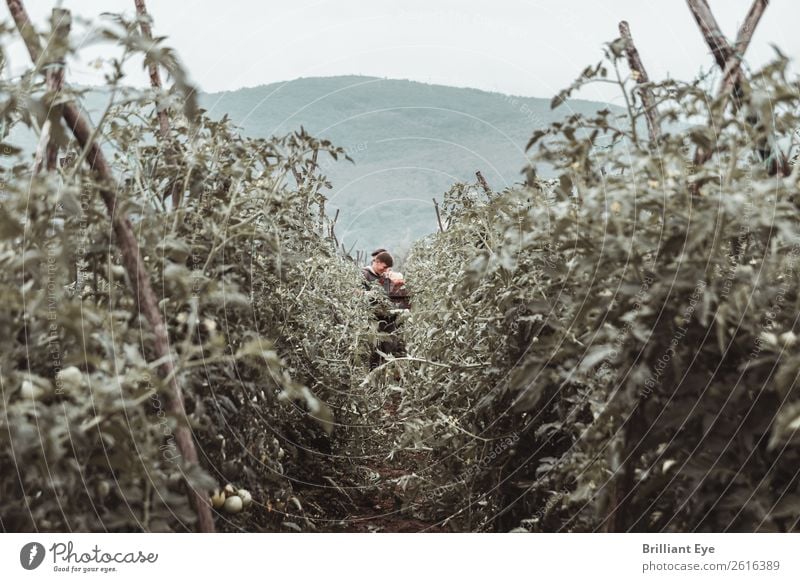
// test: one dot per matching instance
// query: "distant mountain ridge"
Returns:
(410, 142)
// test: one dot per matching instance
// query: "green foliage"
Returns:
(611, 349)
(245, 277)
(614, 349)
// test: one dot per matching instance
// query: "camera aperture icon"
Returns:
(31, 555)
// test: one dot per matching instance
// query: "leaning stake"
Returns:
(132, 261)
(173, 189)
(729, 58)
(648, 99)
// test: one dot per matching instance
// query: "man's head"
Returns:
(381, 261)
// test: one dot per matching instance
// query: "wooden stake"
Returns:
(61, 24)
(482, 181)
(438, 216)
(624, 483)
(173, 189)
(722, 50)
(640, 75)
(152, 67)
(134, 266)
(297, 177)
(46, 150)
(733, 72)
(41, 147)
(729, 59)
(308, 168)
(333, 228)
(711, 31)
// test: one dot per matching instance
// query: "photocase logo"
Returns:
(31, 555)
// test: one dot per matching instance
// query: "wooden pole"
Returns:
(46, 150)
(310, 167)
(438, 216)
(619, 497)
(333, 228)
(640, 75)
(711, 31)
(729, 59)
(624, 483)
(722, 50)
(482, 181)
(733, 71)
(152, 67)
(55, 80)
(41, 147)
(134, 266)
(155, 82)
(61, 23)
(297, 177)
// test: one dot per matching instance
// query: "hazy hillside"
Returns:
(410, 142)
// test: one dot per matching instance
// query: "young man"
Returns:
(382, 262)
(380, 271)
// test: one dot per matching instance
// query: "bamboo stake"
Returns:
(640, 75)
(134, 266)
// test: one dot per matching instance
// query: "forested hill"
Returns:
(410, 141)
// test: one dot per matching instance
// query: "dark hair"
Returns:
(384, 258)
(378, 251)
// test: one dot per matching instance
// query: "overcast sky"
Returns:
(522, 47)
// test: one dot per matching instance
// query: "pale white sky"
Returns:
(522, 47)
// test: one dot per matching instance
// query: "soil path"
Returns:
(366, 496)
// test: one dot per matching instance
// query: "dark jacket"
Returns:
(395, 291)
(370, 278)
